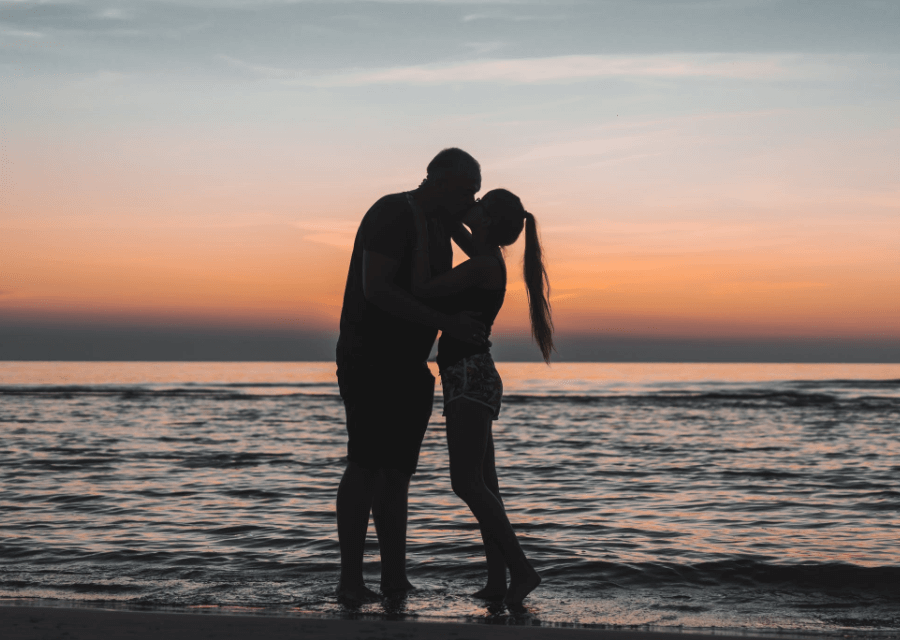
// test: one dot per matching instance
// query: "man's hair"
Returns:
(452, 160)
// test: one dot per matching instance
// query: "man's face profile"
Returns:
(457, 194)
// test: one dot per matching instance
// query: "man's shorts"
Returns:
(388, 408)
(476, 379)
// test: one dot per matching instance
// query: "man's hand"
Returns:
(464, 327)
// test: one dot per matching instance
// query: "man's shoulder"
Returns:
(387, 227)
(394, 203)
(388, 211)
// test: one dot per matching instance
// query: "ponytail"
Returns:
(537, 286)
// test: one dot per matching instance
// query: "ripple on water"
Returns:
(748, 504)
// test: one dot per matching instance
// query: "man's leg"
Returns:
(354, 502)
(389, 510)
(408, 416)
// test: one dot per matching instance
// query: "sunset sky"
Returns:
(726, 172)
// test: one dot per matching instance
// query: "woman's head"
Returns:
(505, 218)
(506, 215)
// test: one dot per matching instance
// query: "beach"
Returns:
(29, 622)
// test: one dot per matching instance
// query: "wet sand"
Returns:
(27, 622)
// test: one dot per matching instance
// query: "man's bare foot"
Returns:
(491, 592)
(519, 589)
(357, 594)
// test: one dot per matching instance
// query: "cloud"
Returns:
(339, 240)
(574, 68)
(19, 33)
(481, 48)
(334, 233)
(114, 13)
(267, 71)
(472, 17)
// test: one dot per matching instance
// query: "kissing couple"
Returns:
(401, 290)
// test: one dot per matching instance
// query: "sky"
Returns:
(712, 180)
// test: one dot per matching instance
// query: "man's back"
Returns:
(368, 333)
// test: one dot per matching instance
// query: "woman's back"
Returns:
(481, 300)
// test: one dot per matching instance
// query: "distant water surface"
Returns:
(761, 497)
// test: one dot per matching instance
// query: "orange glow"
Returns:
(219, 246)
(283, 276)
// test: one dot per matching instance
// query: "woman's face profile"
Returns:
(475, 215)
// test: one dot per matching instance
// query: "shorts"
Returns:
(474, 378)
(388, 409)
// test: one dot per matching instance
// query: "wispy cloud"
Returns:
(114, 13)
(496, 15)
(267, 71)
(334, 233)
(13, 32)
(572, 68)
(481, 48)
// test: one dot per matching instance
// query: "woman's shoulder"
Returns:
(492, 269)
(487, 263)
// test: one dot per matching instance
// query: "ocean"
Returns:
(760, 498)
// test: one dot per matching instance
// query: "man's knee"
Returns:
(393, 480)
(355, 473)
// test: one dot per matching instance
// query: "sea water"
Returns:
(754, 497)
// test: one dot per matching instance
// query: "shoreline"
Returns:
(23, 620)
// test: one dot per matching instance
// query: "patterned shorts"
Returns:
(475, 378)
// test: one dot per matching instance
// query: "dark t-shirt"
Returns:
(370, 335)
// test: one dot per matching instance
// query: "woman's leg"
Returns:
(468, 434)
(496, 583)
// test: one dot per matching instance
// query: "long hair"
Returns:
(508, 218)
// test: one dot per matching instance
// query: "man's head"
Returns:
(454, 177)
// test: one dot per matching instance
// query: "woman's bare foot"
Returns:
(356, 594)
(519, 589)
(491, 592)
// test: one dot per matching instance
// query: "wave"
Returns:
(851, 384)
(746, 398)
(219, 391)
(815, 394)
(747, 574)
(832, 577)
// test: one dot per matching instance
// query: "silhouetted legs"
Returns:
(389, 510)
(385, 494)
(496, 583)
(468, 437)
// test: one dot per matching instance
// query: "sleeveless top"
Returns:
(484, 301)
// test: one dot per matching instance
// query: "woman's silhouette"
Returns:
(471, 385)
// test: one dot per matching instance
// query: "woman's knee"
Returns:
(466, 484)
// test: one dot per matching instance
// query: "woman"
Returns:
(471, 385)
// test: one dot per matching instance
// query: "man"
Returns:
(387, 388)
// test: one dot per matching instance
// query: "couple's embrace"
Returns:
(401, 290)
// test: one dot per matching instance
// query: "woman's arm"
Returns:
(468, 274)
(463, 239)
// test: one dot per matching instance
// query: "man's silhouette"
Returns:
(387, 388)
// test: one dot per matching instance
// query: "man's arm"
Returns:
(379, 289)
